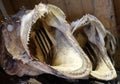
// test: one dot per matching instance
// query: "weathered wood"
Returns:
(117, 10)
(88, 7)
(74, 9)
(102, 9)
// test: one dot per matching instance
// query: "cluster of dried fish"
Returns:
(42, 41)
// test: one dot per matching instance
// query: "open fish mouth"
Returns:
(42, 41)
(98, 43)
(47, 38)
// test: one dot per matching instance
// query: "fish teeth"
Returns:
(96, 34)
(42, 43)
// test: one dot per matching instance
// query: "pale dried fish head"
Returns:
(62, 53)
(98, 43)
(46, 45)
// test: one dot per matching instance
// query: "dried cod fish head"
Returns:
(98, 43)
(43, 43)
(53, 42)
